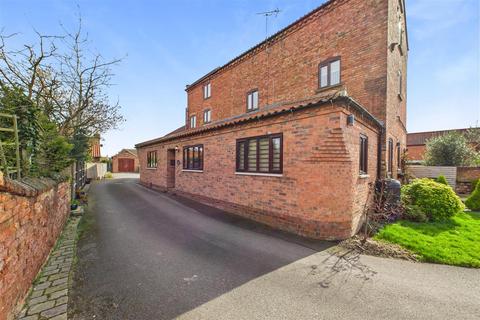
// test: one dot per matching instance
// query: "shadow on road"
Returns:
(147, 255)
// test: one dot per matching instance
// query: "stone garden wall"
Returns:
(32, 215)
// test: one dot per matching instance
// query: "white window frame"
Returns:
(207, 116)
(207, 91)
(252, 100)
(193, 121)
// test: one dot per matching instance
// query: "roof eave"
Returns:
(350, 102)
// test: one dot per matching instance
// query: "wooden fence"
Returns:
(450, 173)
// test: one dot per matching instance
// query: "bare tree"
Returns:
(82, 102)
(23, 68)
(65, 78)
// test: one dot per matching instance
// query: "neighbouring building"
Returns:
(416, 142)
(292, 132)
(125, 161)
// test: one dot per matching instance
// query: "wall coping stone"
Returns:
(28, 187)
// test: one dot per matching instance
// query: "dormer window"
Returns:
(207, 91)
(193, 122)
(252, 100)
(329, 73)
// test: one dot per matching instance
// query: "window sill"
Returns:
(259, 174)
(151, 168)
(189, 170)
(329, 87)
(363, 176)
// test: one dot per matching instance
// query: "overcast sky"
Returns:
(168, 44)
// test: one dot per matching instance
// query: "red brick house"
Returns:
(125, 161)
(417, 142)
(291, 132)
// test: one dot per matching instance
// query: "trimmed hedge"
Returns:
(425, 199)
(473, 201)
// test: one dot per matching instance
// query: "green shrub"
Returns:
(435, 200)
(473, 201)
(108, 175)
(441, 179)
(475, 183)
(415, 213)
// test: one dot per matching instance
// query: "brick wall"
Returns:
(31, 219)
(416, 152)
(395, 107)
(465, 177)
(362, 32)
(320, 193)
(468, 174)
(355, 30)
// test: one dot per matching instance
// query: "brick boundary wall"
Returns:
(32, 215)
(294, 224)
(465, 177)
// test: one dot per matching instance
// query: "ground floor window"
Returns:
(390, 155)
(152, 159)
(193, 157)
(263, 154)
(363, 154)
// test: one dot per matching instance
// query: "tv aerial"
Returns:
(267, 14)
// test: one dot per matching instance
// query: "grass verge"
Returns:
(455, 241)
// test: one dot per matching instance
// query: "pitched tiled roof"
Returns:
(131, 151)
(95, 150)
(176, 130)
(269, 40)
(420, 138)
(266, 112)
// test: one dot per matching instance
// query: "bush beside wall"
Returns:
(473, 201)
(435, 201)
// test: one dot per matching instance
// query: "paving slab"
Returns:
(48, 298)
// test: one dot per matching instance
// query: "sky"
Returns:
(168, 44)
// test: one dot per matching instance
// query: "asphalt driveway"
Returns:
(146, 255)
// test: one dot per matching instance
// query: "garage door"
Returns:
(126, 165)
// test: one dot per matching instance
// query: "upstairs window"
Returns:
(400, 32)
(207, 116)
(363, 154)
(329, 73)
(400, 83)
(207, 91)
(260, 154)
(152, 159)
(193, 122)
(252, 100)
(193, 157)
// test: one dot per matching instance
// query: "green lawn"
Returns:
(455, 242)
